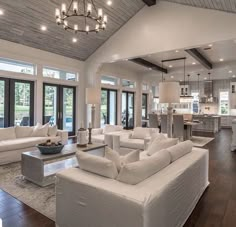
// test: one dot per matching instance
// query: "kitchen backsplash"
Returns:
(209, 108)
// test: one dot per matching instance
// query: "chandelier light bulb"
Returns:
(103, 26)
(87, 28)
(100, 13)
(57, 13)
(76, 28)
(89, 8)
(105, 19)
(58, 20)
(63, 8)
(74, 40)
(97, 27)
(75, 6)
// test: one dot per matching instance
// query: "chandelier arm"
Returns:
(94, 7)
(69, 7)
(85, 20)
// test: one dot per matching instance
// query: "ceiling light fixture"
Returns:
(194, 63)
(109, 3)
(172, 77)
(177, 51)
(93, 18)
(43, 28)
(74, 40)
(221, 59)
(230, 71)
(233, 76)
(170, 66)
(1, 12)
(210, 45)
(205, 78)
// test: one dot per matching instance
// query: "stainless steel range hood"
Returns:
(208, 93)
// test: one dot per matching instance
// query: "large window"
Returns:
(224, 103)
(195, 103)
(16, 102)
(17, 66)
(59, 106)
(127, 117)
(109, 80)
(108, 107)
(144, 106)
(128, 84)
(59, 74)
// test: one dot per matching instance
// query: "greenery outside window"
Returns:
(224, 103)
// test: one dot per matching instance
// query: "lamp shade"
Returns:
(93, 95)
(169, 92)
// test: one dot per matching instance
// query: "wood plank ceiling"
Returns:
(22, 20)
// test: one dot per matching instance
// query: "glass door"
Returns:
(59, 106)
(127, 110)
(2, 103)
(108, 107)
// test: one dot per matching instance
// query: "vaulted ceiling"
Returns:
(22, 20)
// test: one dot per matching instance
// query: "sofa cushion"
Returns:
(40, 130)
(141, 133)
(134, 173)
(112, 128)
(160, 144)
(97, 165)
(21, 143)
(98, 138)
(120, 161)
(7, 133)
(23, 131)
(132, 143)
(156, 137)
(180, 150)
(52, 130)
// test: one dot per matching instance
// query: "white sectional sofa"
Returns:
(165, 199)
(15, 140)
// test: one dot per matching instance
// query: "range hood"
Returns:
(208, 93)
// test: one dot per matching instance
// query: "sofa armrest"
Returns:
(146, 142)
(64, 136)
(97, 131)
(116, 142)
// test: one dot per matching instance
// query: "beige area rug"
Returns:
(41, 199)
(199, 141)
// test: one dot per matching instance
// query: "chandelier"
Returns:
(90, 18)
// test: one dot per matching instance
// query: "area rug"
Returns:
(41, 199)
(199, 141)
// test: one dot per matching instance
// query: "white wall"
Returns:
(42, 58)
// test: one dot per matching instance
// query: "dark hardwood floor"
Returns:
(216, 208)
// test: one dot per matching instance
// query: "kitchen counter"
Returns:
(209, 123)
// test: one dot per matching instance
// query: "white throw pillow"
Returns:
(7, 133)
(97, 165)
(112, 128)
(156, 136)
(40, 130)
(23, 131)
(52, 130)
(134, 173)
(180, 150)
(160, 144)
(120, 161)
(141, 133)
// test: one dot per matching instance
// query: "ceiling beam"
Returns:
(150, 2)
(148, 64)
(194, 52)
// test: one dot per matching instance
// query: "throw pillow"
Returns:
(52, 131)
(108, 129)
(7, 133)
(40, 130)
(160, 144)
(120, 161)
(97, 165)
(23, 131)
(156, 136)
(141, 133)
(134, 173)
(180, 150)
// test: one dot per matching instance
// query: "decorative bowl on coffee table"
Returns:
(52, 149)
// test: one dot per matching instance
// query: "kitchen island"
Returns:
(209, 123)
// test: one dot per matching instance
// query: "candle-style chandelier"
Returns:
(90, 18)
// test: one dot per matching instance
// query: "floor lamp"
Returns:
(93, 97)
(169, 92)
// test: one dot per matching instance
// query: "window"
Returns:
(109, 80)
(17, 66)
(128, 84)
(224, 103)
(144, 87)
(59, 74)
(144, 106)
(127, 111)
(195, 103)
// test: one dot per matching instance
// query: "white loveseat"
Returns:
(166, 199)
(15, 140)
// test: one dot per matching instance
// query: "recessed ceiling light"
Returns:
(210, 45)
(177, 51)
(180, 80)
(233, 76)
(1, 12)
(172, 77)
(194, 63)
(109, 3)
(230, 71)
(221, 59)
(205, 78)
(150, 68)
(43, 28)
(74, 40)
(170, 66)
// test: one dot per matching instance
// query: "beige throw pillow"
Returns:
(52, 131)
(134, 173)
(40, 130)
(159, 145)
(97, 165)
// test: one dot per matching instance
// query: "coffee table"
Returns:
(41, 169)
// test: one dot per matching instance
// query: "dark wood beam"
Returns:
(148, 64)
(150, 2)
(194, 52)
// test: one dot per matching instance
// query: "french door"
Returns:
(59, 106)
(127, 117)
(16, 102)
(108, 107)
